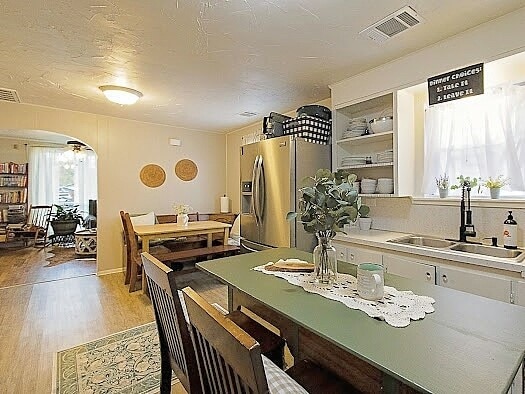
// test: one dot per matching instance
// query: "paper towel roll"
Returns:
(225, 204)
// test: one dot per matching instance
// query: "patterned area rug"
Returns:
(125, 362)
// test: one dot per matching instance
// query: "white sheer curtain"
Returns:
(43, 175)
(479, 136)
(49, 183)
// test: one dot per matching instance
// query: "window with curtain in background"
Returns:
(478, 136)
(60, 176)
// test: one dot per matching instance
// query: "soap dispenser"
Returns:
(510, 232)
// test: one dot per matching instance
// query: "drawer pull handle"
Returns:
(351, 256)
(429, 277)
(445, 279)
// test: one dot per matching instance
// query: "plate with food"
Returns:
(290, 265)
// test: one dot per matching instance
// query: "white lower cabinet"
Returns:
(357, 256)
(479, 283)
(518, 293)
(517, 384)
(409, 268)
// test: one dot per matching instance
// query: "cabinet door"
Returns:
(478, 283)
(408, 268)
(340, 251)
(518, 290)
(358, 256)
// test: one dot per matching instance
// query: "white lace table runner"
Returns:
(396, 308)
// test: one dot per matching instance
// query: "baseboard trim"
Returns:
(112, 271)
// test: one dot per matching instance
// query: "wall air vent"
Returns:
(393, 24)
(9, 95)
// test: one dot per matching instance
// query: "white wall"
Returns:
(123, 147)
(13, 150)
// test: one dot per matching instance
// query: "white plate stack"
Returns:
(385, 186)
(351, 161)
(356, 128)
(368, 186)
(386, 156)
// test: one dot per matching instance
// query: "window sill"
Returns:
(474, 202)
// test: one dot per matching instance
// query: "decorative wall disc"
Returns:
(186, 169)
(152, 175)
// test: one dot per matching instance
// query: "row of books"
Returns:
(13, 197)
(13, 180)
(13, 214)
(13, 168)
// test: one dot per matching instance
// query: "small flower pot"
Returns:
(443, 193)
(365, 223)
(494, 193)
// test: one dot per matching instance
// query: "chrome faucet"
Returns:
(466, 228)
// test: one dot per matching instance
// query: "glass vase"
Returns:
(325, 260)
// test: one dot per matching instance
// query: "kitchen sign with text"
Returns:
(465, 82)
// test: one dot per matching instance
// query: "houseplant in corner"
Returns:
(65, 219)
(443, 184)
(326, 205)
(495, 185)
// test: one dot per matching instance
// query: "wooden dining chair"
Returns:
(176, 354)
(229, 359)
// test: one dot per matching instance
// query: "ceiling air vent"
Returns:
(9, 95)
(248, 114)
(393, 24)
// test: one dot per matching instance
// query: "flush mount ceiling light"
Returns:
(120, 94)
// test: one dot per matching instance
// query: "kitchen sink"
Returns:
(488, 251)
(423, 241)
(443, 244)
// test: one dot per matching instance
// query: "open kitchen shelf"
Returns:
(373, 165)
(366, 139)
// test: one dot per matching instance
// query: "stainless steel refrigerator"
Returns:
(271, 172)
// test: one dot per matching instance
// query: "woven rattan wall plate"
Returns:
(186, 169)
(152, 175)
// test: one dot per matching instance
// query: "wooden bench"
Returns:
(205, 252)
(218, 250)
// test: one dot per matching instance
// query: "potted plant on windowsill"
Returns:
(495, 185)
(443, 184)
(65, 219)
(326, 205)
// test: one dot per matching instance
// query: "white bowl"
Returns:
(382, 125)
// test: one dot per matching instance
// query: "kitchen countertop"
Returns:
(379, 238)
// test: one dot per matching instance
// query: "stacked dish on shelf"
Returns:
(353, 160)
(356, 128)
(368, 186)
(385, 186)
(386, 156)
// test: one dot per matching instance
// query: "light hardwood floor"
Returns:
(37, 320)
(35, 265)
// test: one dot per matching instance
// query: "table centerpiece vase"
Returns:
(325, 259)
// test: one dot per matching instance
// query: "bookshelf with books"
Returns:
(13, 193)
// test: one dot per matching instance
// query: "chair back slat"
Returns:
(39, 216)
(171, 323)
(229, 359)
(131, 238)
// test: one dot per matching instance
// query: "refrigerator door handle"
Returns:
(261, 195)
(252, 204)
(257, 190)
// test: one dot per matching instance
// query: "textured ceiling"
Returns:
(201, 63)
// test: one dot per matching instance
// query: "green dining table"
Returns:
(469, 344)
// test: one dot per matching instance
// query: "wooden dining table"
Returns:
(469, 344)
(174, 230)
